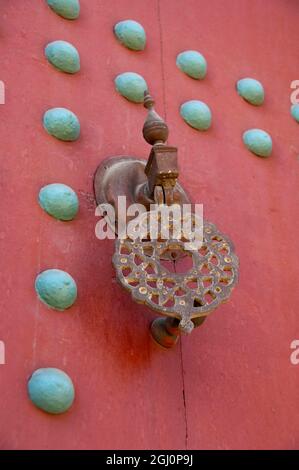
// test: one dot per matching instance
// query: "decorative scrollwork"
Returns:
(207, 282)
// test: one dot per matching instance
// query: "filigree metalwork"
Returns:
(185, 296)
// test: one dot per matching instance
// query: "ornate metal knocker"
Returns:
(146, 267)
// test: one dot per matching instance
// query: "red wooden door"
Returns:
(231, 384)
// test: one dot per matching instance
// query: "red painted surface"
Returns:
(230, 384)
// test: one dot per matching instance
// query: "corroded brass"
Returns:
(207, 282)
(155, 130)
(183, 282)
(140, 181)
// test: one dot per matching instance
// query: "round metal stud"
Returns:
(63, 56)
(197, 114)
(68, 9)
(251, 90)
(62, 124)
(258, 142)
(56, 288)
(132, 86)
(131, 34)
(51, 390)
(59, 201)
(193, 64)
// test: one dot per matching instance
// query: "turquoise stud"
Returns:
(258, 142)
(295, 111)
(131, 85)
(63, 56)
(197, 114)
(68, 9)
(62, 124)
(59, 201)
(193, 64)
(251, 90)
(51, 390)
(131, 34)
(56, 288)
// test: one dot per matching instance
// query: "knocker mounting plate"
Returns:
(125, 176)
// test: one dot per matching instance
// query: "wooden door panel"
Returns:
(230, 384)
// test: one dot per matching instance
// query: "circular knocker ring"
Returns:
(178, 279)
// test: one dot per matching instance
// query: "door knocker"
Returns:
(147, 267)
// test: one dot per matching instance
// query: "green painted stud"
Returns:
(64, 56)
(68, 9)
(62, 124)
(51, 390)
(131, 34)
(56, 288)
(193, 64)
(131, 85)
(197, 114)
(258, 142)
(251, 90)
(59, 201)
(295, 111)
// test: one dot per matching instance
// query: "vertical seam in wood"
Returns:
(184, 395)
